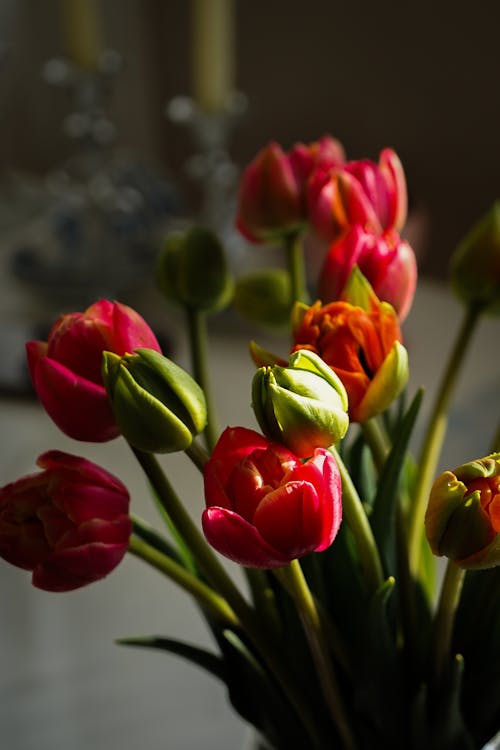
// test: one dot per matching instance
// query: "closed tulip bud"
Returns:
(270, 202)
(463, 515)
(475, 265)
(303, 406)
(192, 270)
(157, 405)
(265, 296)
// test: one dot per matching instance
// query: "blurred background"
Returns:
(122, 119)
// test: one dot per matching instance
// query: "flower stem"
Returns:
(296, 268)
(224, 585)
(294, 581)
(197, 454)
(189, 532)
(357, 521)
(445, 617)
(377, 441)
(205, 595)
(434, 436)
(197, 328)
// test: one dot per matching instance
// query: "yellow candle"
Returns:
(82, 32)
(212, 52)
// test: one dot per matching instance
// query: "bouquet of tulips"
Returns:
(342, 635)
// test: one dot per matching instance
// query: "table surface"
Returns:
(64, 683)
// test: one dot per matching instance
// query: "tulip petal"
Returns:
(290, 519)
(392, 170)
(239, 540)
(79, 407)
(387, 384)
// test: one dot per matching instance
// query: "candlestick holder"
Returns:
(211, 168)
(108, 211)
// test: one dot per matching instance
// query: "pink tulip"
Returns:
(385, 260)
(265, 507)
(272, 197)
(360, 192)
(68, 524)
(325, 154)
(66, 369)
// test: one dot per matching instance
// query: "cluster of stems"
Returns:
(199, 572)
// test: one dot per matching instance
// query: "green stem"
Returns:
(434, 437)
(206, 596)
(296, 268)
(197, 454)
(357, 521)
(223, 584)
(378, 442)
(294, 581)
(197, 328)
(445, 617)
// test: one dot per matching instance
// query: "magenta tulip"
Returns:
(385, 260)
(265, 507)
(360, 192)
(68, 524)
(272, 198)
(66, 369)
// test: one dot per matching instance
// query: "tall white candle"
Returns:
(82, 32)
(212, 52)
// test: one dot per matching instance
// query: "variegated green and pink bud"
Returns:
(303, 406)
(463, 515)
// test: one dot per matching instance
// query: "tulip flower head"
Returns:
(157, 405)
(386, 261)
(66, 369)
(303, 405)
(270, 197)
(362, 345)
(68, 524)
(266, 507)
(463, 515)
(361, 192)
(273, 190)
(475, 265)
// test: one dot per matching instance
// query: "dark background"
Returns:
(420, 77)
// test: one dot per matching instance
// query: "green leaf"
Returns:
(383, 517)
(202, 658)
(379, 689)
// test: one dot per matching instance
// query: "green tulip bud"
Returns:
(157, 405)
(304, 406)
(463, 515)
(475, 264)
(192, 271)
(265, 297)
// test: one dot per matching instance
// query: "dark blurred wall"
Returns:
(421, 77)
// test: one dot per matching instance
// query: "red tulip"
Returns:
(360, 192)
(68, 524)
(265, 507)
(385, 260)
(66, 369)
